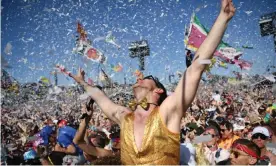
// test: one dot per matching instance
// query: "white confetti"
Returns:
(248, 12)
(8, 49)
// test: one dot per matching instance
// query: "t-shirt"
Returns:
(187, 154)
(227, 143)
(216, 156)
(65, 137)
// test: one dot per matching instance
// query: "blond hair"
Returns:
(200, 157)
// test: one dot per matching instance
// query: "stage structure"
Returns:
(170, 78)
(267, 24)
(139, 49)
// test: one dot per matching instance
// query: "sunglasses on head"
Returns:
(257, 135)
(155, 79)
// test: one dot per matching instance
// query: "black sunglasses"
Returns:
(257, 135)
(155, 79)
(236, 154)
(223, 130)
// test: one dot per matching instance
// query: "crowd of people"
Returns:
(56, 140)
(243, 117)
(241, 123)
(196, 124)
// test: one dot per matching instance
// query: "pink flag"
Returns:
(243, 64)
(197, 34)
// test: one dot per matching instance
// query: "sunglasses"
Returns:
(155, 79)
(223, 130)
(237, 154)
(257, 135)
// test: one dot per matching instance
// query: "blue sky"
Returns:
(42, 32)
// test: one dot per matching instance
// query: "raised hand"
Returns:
(227, 9)
(89, 107)
(79, 77)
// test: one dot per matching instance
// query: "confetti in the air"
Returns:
(248, 12)
(8, 49)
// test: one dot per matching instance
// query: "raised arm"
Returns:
(79, 138)
(109, 108)
(187, 87)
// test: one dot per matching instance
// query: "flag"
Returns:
(84, 47)
(243, 64)
(94, 55)
(223, 64)
(43, 80)
(81, 31)
(117, 68)
(138, 74)
(197, 34)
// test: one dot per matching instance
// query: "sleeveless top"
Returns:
(159, 147)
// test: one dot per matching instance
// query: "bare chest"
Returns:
(139, 129)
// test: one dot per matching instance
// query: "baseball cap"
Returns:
(62, 123)
(238, 127)
(261, 130)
